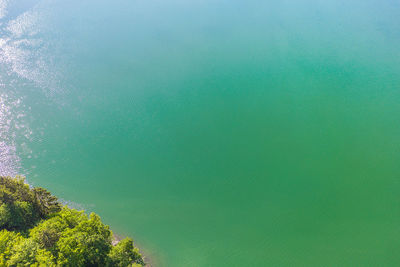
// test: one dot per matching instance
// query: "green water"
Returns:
(216, 133)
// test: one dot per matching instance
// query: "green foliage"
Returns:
(48, 232)
(46, 203)
(12, 190)
(21, 207)
(28, 253)
(7, 241)
(37, 231)
(17, 216)
(91, 238)
(124, 254)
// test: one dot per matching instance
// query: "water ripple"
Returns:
(22, 59)
(13, 128)
(3, 8)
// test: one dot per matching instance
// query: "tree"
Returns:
(124, 254)
(19, 215)
(48, 232)
(14, 189)
(7, 241)
(28, 253)
(36, 230)
(21, 207)
(90, 238)
(46, 203)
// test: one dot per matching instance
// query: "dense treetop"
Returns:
(35, 229)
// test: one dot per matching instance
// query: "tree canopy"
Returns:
(37, 230)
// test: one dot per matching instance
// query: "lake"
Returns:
(214, 132)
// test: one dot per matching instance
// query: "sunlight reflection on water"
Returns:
(9, 161)
(22, 61)
(3, 8)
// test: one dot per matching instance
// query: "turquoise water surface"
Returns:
(215, 133)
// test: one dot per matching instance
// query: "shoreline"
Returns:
(43, 205)
(116, 238)
(147, 260)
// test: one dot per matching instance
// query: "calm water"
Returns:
(216, 133)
